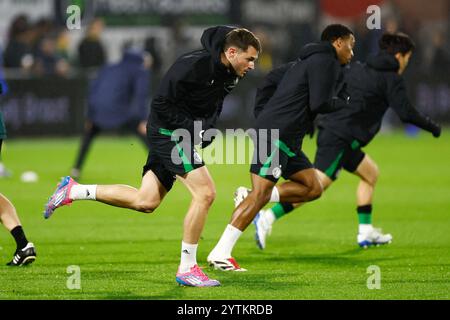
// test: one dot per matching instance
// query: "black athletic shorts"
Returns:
(278, 159)
(334, 153)
(169, 156)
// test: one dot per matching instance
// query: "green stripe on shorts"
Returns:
(281, 146)
(186, 163)
(332, 168)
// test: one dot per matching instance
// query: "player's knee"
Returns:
(147, 206)
(210, 196)
(206, 196)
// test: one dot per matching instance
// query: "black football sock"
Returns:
(19, 236)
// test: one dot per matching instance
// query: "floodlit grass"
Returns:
(312, 253)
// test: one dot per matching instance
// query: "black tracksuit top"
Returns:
(194, 87)
(293, 94)
(373, 88)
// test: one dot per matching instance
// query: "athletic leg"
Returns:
(221, 256)
(145, 199)
(201, 186)
(368, 173)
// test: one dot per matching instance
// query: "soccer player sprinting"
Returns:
(373, 87)
(25, 251)
(193, 89)
(309, 86)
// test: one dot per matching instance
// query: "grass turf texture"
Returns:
(312, 254)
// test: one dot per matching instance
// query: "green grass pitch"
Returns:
(312, 254)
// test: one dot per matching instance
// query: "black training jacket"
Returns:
(195, 86)
(373, 88)
(293, 94)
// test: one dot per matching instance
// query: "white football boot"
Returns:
(263, 228)
(375, 237)
(240, 194)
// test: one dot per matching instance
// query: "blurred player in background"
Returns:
(25, 251)
(309, 86)
(192, 90)
(373, 88)
(118, 99)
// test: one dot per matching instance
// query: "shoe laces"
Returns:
(377, 232)
(196, 271)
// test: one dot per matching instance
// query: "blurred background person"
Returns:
(19, 50)
(118, 99)
(3, 90)
(91, 52)
(47, 60)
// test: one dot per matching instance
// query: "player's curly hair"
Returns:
(394, 43)
(242, 38)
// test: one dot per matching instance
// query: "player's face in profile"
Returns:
(403, 60)
(243, 61)
(344, 48)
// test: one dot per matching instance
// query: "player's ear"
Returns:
(231, 51)
(336, 43)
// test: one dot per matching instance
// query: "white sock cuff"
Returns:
(188, 246)
(233, 230)
(83, 192)
(275, 196)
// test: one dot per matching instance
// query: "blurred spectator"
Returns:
(4, 173)
(40, 30)
(118, 99)
(91, 53)
(366, 40)
(265, 60)
(180, 41)
(300, 35)
(18, 53)
(440, 62)
(62, 44)
(47, 60)
(151, 47)
(3, 85)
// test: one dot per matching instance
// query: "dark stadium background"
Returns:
(54, 105)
